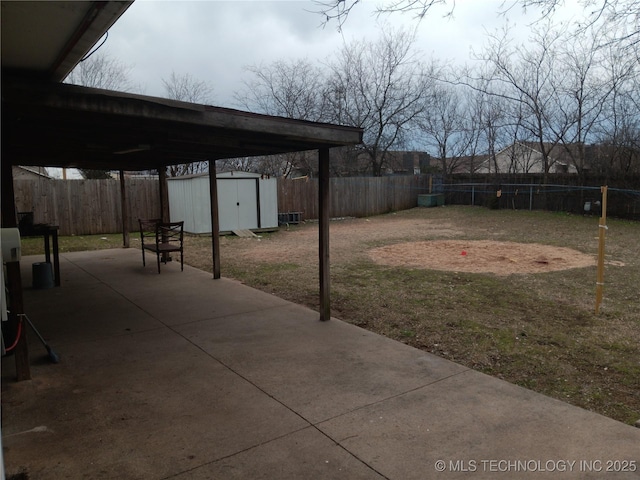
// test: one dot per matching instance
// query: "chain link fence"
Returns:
(622, 202)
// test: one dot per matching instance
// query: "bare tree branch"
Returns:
(378, 87)
(102, 71)
(187, 88)
(286, 88)
(623, 16)
(338, 10)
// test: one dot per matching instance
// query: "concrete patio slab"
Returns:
(319, 369)
(475, 424)
(303, 454)
(180, 376)
(197, 297)
(103, 309)
(146, 405)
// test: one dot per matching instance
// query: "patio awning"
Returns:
(53, 124)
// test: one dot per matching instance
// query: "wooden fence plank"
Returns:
(85, 207)
(351, 196)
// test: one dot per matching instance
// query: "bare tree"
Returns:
(529, 78)
(378, 87)
(619, 148)
(375, 86)
(291, 89)
(519, 156)
(339, 10)
(621, 16)
(557, 92)
(102, 71)
(619, 132)
(583, 93)
(286, 88)
(495, 126)
(241, 164)
(187, 88)
(279, 165)
(447, 128)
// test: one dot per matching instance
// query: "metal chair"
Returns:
(162, 238)
(147, 233)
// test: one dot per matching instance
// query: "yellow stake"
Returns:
(601, 236)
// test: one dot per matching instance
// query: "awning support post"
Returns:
(164, 193)
(125, 211)
(215, 222)
(165, 215)
(324, 204)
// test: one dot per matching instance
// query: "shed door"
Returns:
(237, 203)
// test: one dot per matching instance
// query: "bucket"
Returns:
(42, 275)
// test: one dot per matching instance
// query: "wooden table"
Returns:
(46, 231)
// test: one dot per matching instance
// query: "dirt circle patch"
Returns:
(501, 258)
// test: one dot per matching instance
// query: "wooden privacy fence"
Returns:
(352, 196)
(86, 207)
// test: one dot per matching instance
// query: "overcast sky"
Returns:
(215, 40)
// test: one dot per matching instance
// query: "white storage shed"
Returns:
(246, 201)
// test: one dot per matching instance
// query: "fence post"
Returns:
(530, 197)
(473, 195)
(602, 226)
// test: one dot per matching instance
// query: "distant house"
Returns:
(469, 164)
(65, 173)
(356, 162)
(408, 162)
(521, 157)
(30, 173)
(527, 157)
